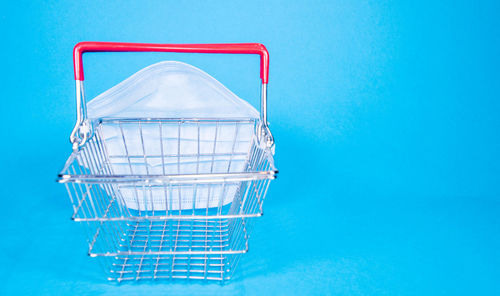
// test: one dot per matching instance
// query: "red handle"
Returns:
(236, 48)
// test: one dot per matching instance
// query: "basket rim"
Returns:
(176, 119)
(65, 177)
(171, 179)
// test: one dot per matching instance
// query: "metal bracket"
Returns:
(82, 130)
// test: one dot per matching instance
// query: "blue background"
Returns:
(385, 113)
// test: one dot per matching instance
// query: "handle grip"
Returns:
(234, 48)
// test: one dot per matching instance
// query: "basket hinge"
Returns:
(83, 129)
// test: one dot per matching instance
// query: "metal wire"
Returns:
(169, 198)
(167, 237)
(201, 184)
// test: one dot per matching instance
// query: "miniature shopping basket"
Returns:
(136, 239)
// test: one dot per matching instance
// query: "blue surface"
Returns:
(386, 117)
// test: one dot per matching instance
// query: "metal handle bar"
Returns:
(230, 48)
(81, 131)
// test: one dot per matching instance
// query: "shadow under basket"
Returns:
(169, 198)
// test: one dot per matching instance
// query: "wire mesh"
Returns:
(169, 198)
(153, 249)
(110, 238)
(222, 182)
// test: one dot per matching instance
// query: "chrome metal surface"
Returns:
(141, 208)
(263, 103)
(160, 192)
(265, 133)
(168, 237)
(172, 249)
(82, 130)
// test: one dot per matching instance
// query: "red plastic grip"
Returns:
(234, 48)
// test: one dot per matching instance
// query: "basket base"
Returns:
(215, 267)
(170, 249)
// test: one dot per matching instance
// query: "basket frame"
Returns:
(103, 222)
(90, 189)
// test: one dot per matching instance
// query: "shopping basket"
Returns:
(163, 230)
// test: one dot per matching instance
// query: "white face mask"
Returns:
(175, 90)
(169, 90)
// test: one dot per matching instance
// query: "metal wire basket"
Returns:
(166, 211)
